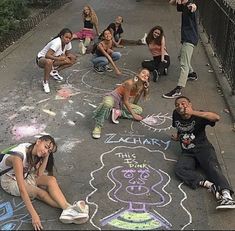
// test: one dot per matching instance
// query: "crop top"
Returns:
(88, 24)
(121, 90)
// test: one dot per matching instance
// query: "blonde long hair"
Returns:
(92, 15)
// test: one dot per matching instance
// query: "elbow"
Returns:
(217, 118)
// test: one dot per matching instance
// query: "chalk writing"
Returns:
(114, 138)
(140, 187)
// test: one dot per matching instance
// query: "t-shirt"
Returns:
(189, 30)
(191, 131)
(56, 46)
(117, 31)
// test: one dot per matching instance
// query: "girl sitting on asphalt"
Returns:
(56, 56)
(157, 46)
(23, 174)
(117, 31)
(103, 54)
(118, 103)
(86, 35)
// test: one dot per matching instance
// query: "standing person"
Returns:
(22, 174)
(122, 102)
(117, 31)
(189, 39)
(103, 54)
(56, 56)
(87, 34)
(197, 151)
(157, 46)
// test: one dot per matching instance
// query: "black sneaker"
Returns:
(155, 75)
(192, 76)
(173, 93)
(99, 70)
(226, 203)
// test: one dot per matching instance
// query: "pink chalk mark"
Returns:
(27, 130)
(64, 92)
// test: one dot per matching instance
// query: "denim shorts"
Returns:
(10, 185)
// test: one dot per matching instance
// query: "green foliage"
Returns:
(11, 11)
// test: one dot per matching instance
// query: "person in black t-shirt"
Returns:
(197, 151)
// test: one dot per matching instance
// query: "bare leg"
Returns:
(53, 196)
(87, 42)
(126, 42)
(47, 65)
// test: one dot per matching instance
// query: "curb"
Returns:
(215, 65)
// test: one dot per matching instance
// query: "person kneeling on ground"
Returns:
(56, 56)
(103, 54)
(118, 102)
(23, 174)
(198, 151)
(157, 46)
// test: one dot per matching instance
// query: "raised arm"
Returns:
(126, 101)
(18, 168)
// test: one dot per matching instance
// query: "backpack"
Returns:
(7, 151)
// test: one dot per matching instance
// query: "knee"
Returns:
(108, 102)
(49, 62)
(51, 180)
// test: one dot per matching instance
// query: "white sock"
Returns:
(206, 183)
(226, 194)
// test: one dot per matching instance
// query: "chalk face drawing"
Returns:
(138, 191)
(157, 123)
(9, 220)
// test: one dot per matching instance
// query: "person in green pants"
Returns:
(122, 102)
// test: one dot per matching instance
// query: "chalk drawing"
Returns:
(49, 112)
(13, 215)
(157, 123)
(114, 138)
(69, 145)
(20, 131)
(132, 181)
(89, 74)
(79, 113)
(9, 220)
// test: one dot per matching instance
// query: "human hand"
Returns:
(188, 110)
(192, 7)
(118, 72)
(137, 117)
(164, 61)
(36, 222)
(175, 137)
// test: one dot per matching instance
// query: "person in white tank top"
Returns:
(27, 178)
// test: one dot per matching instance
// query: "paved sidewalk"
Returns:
(85, 166)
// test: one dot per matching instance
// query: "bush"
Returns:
(11, 11)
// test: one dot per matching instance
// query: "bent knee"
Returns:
(108, 101)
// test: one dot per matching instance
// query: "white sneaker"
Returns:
(143, 40)
(70, 215)
(46, 87)
(80, 207)
(56, 76)
(82, 48)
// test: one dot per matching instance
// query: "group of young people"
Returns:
(26, 168)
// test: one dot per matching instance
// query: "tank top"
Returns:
(21, 148)
(88, 24)
(155, 49)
